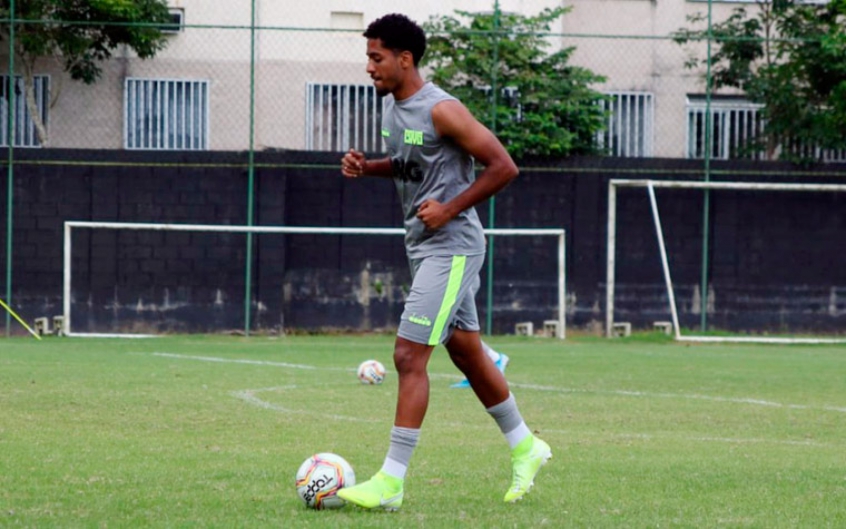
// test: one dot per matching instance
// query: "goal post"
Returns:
(650, 185)
(70, 226)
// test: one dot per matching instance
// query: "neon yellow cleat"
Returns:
(526, 460)
(379, 492)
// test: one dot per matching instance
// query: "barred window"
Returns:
(166, 114)
(24, 128)
(630, 124)
(734, 124)
(342, 116)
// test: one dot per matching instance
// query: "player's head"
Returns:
(399, 33)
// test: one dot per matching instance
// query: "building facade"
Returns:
(310, 90)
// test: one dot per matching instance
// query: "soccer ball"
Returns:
(371, 372)
(319, 479)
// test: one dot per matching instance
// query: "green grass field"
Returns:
(208, 431)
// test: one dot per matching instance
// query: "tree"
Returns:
(80, 35)
(790, 57)
(544, 106)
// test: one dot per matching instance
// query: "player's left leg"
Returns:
(500, 360)
(528, 452)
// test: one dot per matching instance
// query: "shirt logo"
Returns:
(413, 137)
(386, 133)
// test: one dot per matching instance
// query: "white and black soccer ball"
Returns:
(371, 372)
(319, 479)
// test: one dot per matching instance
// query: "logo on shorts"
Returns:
(420, 320)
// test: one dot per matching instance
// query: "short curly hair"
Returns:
(398, 32)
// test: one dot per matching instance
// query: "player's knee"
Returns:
(407, 359)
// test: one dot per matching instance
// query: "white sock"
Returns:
(493, 355)
(517, 434)
(394, 468)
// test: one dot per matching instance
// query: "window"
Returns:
(630, 124)
(177, 21)
(346, 20)
(734, 123)
(24, 127)
(166, 114)
(341, 117)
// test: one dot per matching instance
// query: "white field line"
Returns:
(275, 364)
(535, 387)
(698, 439)
(733, 400)
(249, 396)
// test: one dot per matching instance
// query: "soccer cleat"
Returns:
(501, 363)
(379, 492)
(526, 460)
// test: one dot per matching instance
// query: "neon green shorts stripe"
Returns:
(456, 274)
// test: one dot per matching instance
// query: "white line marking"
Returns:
(734, 400)
(241, 361)
(534, 387)
(699, 439)
(249, 396)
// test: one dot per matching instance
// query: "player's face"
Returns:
(384, 67)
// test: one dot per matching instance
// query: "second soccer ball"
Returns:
(371, 372)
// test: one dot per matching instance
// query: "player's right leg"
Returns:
(385, 489)
(438, 283)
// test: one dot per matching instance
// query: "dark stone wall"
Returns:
(777, 260)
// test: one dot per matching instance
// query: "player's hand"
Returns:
(433, 214)
(352, 164)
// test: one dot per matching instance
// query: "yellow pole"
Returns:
(10, 311)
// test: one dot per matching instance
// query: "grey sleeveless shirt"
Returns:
(425, 165)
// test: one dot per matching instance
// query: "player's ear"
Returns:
(406, 59)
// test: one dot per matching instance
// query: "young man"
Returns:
(432, 141)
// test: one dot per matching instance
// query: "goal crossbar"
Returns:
(560, 234)
(650, 186)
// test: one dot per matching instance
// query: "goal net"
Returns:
(774, 270)
(142, 279)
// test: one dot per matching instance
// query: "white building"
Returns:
(311, 91)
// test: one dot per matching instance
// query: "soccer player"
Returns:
(432, 141)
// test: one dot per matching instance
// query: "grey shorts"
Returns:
(442, 298)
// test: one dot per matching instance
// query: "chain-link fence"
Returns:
(225, 83)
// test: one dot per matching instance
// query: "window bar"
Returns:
(619, 147)
(204, 142)
(181, 87)
(193, 114)
(365, 117)
(360, 124)
(320, 117)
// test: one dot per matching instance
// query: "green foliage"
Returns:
(82, 34)
(541, 105)
(791, 58)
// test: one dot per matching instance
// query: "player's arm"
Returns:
(354, 164)
(454, 121)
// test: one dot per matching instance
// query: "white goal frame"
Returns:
(650, 186)
(560, 234)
